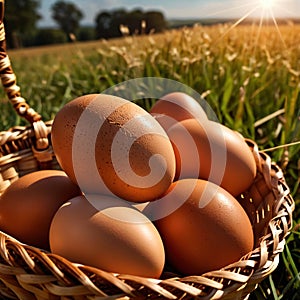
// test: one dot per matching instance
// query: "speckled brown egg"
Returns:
(28, 205)
(212, 151)
(109, 145)
(175, 107)
(207, 232)
(109, 234)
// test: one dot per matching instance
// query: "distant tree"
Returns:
(118, 19)
(47, 36)
(68, 16)
(133, 21)
(155, 21)
(104, 25)
(110, 24)
(20, 18)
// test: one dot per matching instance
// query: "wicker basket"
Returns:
(27, 272)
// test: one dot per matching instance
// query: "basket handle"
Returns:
(8, 79)
(41, 148)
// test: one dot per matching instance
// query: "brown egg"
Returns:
(28, 205)
(108, 234)
(207, 232)
(109, 145)
(175, 107)
(211, 151)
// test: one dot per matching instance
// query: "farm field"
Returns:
(250, 76)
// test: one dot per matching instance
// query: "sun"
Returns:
(267, 4)
(265, 11)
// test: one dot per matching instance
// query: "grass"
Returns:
(250, 76)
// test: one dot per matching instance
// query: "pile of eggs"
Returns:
(137, 190)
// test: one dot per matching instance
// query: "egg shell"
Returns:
(28, 205)
(175, 107)
(209, 231)
(109, 234)
(109, 145)
(212, 151)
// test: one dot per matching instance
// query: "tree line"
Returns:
(21, 18)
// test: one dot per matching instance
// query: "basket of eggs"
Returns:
(111, 201)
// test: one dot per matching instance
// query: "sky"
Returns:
(180, 9)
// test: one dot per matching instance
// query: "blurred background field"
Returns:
(249, 75)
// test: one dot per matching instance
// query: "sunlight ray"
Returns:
(277, 28)
(227, 10)
(237, 23)
(266, 9)
(259, 29)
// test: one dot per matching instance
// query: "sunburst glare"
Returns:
(263, 10)
(267, 4)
